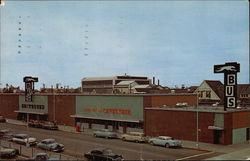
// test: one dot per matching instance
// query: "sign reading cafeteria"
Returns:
(230, 82)
(110, 107)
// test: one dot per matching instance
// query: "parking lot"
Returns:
(76, 144)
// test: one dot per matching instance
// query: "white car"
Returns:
(24, 139)
(166, 141)
(50, 144)
(134, 136)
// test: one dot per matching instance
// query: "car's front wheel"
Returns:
(123, 139)
(95, 135)
(151, 143)
(167, 145)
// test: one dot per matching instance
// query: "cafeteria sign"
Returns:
(230, 82)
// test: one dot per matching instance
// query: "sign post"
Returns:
(230, 82)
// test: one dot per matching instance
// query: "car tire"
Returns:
(151, 143)
(106, 137)
(95, 135)
(167, 145)
(123, 139)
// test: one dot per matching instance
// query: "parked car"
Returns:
(48, 125)
(2, 119)
(24, 139)
(34, 123)
(166, 141)
(51, 144)
(102, 154)
(43, 157)
(8, 152)
(105, 133)
(6, 134)
(134, 136)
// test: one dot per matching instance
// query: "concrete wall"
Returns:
(239, 135)
(110, 107)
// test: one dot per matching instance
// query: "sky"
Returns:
(177, 42)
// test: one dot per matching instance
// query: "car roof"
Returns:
(100, 149)
(21, 135)
(49, 139)
(165, 137)
(105, 130)
(5, 130)
(141, 133)
(41, 154)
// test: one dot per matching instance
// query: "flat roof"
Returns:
(31, 112)
(100, 118)
(108, 94)
(218, 109)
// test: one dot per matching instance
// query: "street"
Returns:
(76, 144)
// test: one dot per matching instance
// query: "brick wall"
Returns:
(8, 104)
(60, 109)
(179, 124)
(169, 100)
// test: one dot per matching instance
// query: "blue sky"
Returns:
(178, 42)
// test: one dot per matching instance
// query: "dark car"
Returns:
(102, 154)
(42, 157)
(6, 134)
(8, 152)
(48, 125)
(2, 119)
(50, 144)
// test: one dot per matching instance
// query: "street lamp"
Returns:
(197, 122)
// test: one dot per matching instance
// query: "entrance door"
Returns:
(217, 136)
(248, 134)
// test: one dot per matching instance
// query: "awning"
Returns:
(32, 112)
(215, 128)
(99, 118)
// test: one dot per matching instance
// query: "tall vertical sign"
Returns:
(29, 87)
(230, 82)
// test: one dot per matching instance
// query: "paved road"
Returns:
(78, 144)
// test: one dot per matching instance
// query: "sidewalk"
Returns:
(231, 152)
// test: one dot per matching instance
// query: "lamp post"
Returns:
(197, 122)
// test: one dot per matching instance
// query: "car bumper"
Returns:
(58, 150)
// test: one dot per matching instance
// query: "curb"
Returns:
(197, 149)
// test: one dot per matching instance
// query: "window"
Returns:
(208, 94)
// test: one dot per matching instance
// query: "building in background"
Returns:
(243, 94)
(98, 85)
(210, 92)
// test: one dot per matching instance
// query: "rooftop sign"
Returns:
(230, 82)
(29, 87)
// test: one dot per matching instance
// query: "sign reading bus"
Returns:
(230, 82)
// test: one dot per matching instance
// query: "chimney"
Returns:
(158, 82)
(43, 86)
(153, 80)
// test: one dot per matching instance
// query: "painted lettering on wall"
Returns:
(114, 111)
(31, 106)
